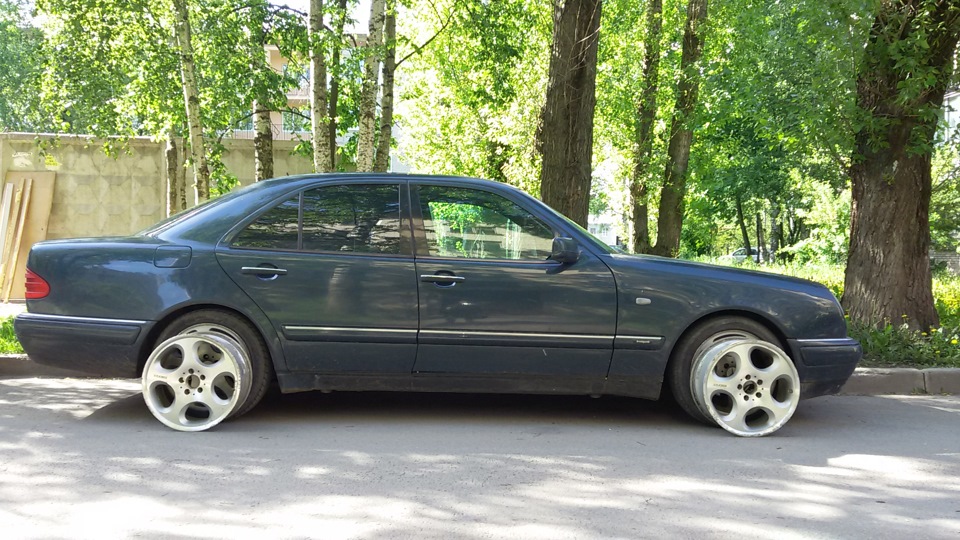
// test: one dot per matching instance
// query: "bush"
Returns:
(8, 340)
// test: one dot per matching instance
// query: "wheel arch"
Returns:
(148, 344)
(745, 314)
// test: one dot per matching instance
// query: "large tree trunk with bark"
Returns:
(191, 100)
(368, 90)
(318, 91)
(670, 219)
(382, 162)
(340, 18)
(565, 132)
(646, 117)
(888, 270)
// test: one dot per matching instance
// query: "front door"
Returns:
(491, 301)
(332, 267)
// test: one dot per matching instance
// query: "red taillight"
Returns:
(37, 287)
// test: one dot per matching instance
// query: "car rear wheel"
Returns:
(208, 366)
(732, 373)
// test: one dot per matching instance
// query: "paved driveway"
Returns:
(84, 459)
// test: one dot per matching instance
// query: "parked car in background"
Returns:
(740, 255)
(419, 283)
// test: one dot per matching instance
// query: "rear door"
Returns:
(491, 301)
(332, 267)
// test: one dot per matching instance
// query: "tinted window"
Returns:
(276, 229)
(464, 222)
(352, 218)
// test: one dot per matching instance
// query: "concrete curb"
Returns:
(902, 381)
(863, 382)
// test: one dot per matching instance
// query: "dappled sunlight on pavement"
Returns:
(84, 459)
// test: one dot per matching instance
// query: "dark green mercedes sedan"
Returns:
(419, 283)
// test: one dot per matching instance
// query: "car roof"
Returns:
(207, 223)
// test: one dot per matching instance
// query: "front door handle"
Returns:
(263, 271)
(441, 279)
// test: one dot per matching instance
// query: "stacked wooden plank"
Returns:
(25, 205)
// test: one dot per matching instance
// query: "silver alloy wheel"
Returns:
(192, 382)
(749, 387)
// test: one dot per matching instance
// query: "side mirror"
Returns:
(565, 250)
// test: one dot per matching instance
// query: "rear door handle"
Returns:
(442, 279)
(263, 271)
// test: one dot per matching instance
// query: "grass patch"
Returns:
(8, 340)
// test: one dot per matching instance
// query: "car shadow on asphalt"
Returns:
(372, 407)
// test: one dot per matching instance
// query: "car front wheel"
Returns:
(731, 372)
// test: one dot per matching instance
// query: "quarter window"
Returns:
(276, 229)
(469, 223)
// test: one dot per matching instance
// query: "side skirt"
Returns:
(291, 382)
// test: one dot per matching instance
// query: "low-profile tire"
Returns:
(239, 331)
(699, 364)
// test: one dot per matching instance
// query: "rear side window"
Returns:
(353, 218)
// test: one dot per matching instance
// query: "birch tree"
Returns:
(368, 94)
(319, 117)
(201, 171)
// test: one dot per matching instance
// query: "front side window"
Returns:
(475, 224)
(354, 218)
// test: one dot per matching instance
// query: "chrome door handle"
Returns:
(441, 278)
(263, 271)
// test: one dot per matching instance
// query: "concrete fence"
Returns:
(98, 195)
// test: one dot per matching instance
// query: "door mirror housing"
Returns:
(565, 250)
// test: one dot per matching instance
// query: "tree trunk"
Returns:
(742, 224)
(368, 90)
(776, 231)
(761, 243)
(335, 69)
(262, 140)
(319, 120)
(565, 132)
(670, 220)
(646, 116)
(262, 126)
(382, 162)
(191, 100)
(888, 270)
(172, 161)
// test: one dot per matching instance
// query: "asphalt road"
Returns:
(84, 459)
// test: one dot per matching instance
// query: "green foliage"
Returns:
(469, 102)
(114, 68)
(945, 198)
(21, 65)
(8, 339)
(825, 215)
